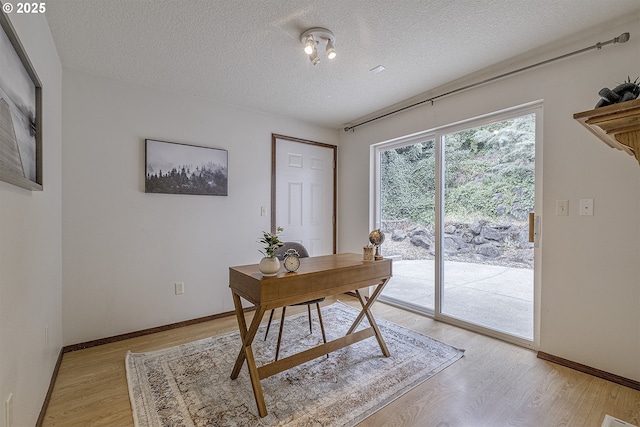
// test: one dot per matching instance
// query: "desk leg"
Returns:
(372, 299)
(246, 352)
(366, 310)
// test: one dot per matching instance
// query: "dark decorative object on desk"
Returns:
(376, 237)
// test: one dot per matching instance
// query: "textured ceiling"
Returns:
(248, 52)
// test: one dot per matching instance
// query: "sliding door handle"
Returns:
(534, 229)
(532, 234)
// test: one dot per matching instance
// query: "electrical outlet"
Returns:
(179, 288)
(8, 411)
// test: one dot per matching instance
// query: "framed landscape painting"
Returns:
(20, 118)
(175, 168)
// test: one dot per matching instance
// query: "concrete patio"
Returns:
(496, 297)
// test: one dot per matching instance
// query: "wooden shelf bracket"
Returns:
(618, 125)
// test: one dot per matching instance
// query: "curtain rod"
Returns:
(622, 38)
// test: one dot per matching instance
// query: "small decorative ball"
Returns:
(376, 237)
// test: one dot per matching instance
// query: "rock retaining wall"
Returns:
(480, 241)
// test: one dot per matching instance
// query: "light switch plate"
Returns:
(562, 207)
(179, 288)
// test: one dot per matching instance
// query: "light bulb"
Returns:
(309, 45)
(331, 52)
(314, 57)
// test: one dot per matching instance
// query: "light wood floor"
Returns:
(495, 384)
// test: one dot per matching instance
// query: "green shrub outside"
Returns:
(489, 174)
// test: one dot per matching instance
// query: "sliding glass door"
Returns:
(407, 217)
(489, 190)
(455, 204)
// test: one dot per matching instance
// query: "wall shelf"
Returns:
(618, 125)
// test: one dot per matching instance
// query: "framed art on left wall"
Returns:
(20, 113)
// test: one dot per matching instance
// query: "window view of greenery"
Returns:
(490, 171)
(408, 184)
(489, 191)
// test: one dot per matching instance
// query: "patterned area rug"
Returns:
(190, 385)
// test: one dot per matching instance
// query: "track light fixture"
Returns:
(315, 38)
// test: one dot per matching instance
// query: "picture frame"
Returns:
(175, 168)
(20, 113)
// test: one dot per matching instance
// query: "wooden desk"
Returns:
(317, 277)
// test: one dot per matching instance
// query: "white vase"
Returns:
(269, 266)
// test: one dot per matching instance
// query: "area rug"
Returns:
(190, 385)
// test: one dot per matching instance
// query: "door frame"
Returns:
(274, 175)
(535, 107)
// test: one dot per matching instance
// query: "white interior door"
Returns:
(304, 199)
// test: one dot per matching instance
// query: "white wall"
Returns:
(123, 249)
(590, 265)
(30, 249)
